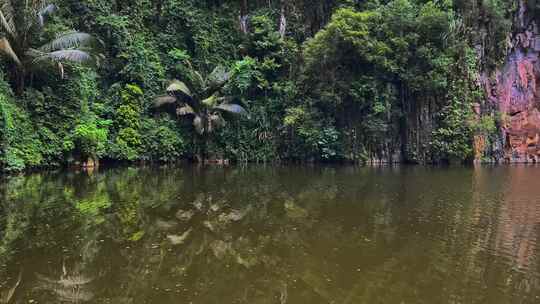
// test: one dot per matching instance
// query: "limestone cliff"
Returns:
(514, 90)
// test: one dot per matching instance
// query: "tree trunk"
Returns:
(282, 21)
(159, 7)
(19, 81)
(203, 149)
(244, 16)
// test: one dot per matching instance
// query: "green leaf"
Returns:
(46, 11)
(137, 236)
(232, 108)
(210, 101)
(76, 56)
(219, 76)
(69, 40)
(185, 110)
(177, 86)
(7, 18)
(164, 100)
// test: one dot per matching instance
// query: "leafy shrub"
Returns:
(162, 140)
(142, 64)
(90, 139)
(127, 142)
(319, 140)
(20, 144)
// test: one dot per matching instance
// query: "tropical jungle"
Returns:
(162, 81)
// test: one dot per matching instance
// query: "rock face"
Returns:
(515, 91)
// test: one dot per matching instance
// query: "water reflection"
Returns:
(519, 217)
(271, 235)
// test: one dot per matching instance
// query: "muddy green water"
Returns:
(272, 235)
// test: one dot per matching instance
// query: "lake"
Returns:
(402, 235)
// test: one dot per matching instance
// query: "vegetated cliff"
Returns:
(322, 80)
(514, 90)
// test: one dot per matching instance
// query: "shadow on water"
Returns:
(272, 235)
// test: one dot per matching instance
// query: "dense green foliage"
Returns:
(338, 80)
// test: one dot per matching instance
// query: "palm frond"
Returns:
(211, 101)
(61, 69)
(232, 108)
(178, 86)
(185, 110)
(198, 77)
(76, 56)
(74, 289)
(44, 12)
(7, 18)
(164, 100)
(179, 239)
(6, 297)
(5, 47)
(69, 40)
(219, 76)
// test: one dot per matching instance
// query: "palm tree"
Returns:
(73, 287)
(21, 22)
(206, 107)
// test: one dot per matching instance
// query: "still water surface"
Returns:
(272, 235)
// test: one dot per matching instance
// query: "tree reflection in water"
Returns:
(271, 235)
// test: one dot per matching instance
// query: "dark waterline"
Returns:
(272, 235)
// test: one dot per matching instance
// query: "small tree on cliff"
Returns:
(204, 105)
(21, 23)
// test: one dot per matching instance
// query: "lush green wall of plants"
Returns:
(320, 80)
